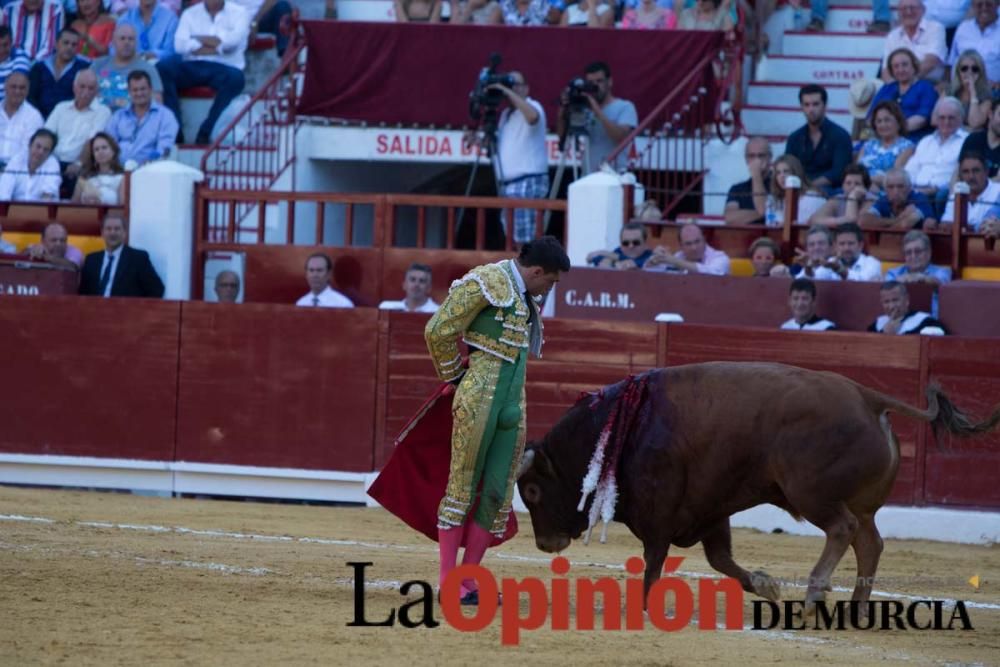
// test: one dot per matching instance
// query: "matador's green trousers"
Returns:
(487, 442)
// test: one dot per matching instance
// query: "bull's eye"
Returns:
(532, 493)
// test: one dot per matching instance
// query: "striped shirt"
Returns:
(35, 34)
(17, 61)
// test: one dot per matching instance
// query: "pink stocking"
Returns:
(477, 540)
(449, 540)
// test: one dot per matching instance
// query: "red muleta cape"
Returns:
(413, 481)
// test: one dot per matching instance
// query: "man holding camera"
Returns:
(609, 120)
(521, 148)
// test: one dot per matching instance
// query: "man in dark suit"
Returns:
(119, 270)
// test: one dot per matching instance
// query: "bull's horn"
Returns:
(526, 461)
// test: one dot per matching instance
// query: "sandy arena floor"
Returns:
(106, 578)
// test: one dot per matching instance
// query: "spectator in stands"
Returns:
(763, 256)
(987, 142)
(917, 267)
(810, 200)
(898, 318)
(707, 15)
(417, 288)
(802, 303)
(695, 256)
(113, 71)
(817, 261)
(647, 15)
(52, 80)
(74, 122)
(529, 12)
(18, 119)
(121, 7)
(984, 194)
(596, 14)
(35, 24)
(609, 120)
(155, 27)
(936, 156)
(5, 247)
(521, 148)
(32, 174)
(144, 129)
(267, 16)
(948, 13)
(822, 146)
(227, 287)
(211, 41)
(887, 148)
(319, 270)
(900, 206)
(921, 35)
(846, 206)
(419, 11)
(95, 28)
(970, 87)
(55, 249)
(981, 33)
(632, 251)
(915, 97)
(102, 177)
(854, 263)
(11, 59)
(478, 12)
(119, 269)
(746, 202)
(881, 16)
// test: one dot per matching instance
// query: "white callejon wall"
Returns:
(595, 213)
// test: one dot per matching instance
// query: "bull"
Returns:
(698, 443)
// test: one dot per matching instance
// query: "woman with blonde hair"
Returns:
(969, 85)
(810, 200)
(102, 178)
(764, 254)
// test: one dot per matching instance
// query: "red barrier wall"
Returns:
(277, 386)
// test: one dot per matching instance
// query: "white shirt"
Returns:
(987, 200)
(522, 146)
(865, 268)
(813, 324)
(427, 307)
(16, 184)
(910, 323)
(927, 40)
(74, 127)
(986, 42)
(948, 13)
(108, 256)
(328, 298)
(231, 25)
(16, 130)
(933, 162)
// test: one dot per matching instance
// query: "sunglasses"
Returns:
(631, 244)
(969, 68)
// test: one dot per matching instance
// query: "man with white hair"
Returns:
(900, 206)
(921, 35)
(75, 121)
(936, 157)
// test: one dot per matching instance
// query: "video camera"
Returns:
(483, 100)
(577, 92)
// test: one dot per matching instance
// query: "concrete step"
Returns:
(848, 18)
(782, 121)
(834, 44)
(816, 69)
(765, 93)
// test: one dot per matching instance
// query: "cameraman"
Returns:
(521, 147)
(609, 119)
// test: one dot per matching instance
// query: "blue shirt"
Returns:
(828, 158)
(619, 256)
(17, 61)
(145, 140)
(940, 273)
(918, 199)
(919, 100)
(158, 36)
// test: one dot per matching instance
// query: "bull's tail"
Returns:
(943, 415)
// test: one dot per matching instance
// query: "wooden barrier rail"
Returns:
(314, 389)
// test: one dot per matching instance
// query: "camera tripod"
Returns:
(576, 131)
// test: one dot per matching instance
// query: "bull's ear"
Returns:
(526, 461)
